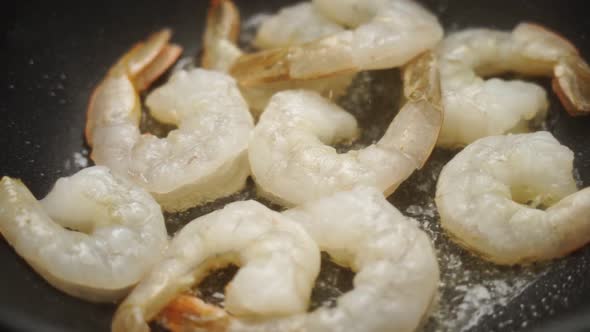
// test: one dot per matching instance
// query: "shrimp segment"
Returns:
(488, 194)
(292, 25)
(396, 271)
(205, 158)
(221, 50)
(390, 34)
(476, 108)
(279, 263)
(291, 164)
(93, 236)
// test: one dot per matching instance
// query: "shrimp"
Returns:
(387, 34)
(205, 158)
(94, 236)
(396, 272)
(291, 165)
(476, 108)
(513, 200)
(279, 263)
(221, 51)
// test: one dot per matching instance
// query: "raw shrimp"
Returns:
(387, 34)
(475, 108)
(221, 51)
(205, 158)
(93, 236)
(291, 164)
(279, 262)
(396, 272)
(512, 199)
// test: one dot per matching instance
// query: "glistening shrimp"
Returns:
(203, 159)
(396, 272)
(291, 162)
(94, 236)
(279, 263)
(513, 199)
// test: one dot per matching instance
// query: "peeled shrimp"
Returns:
(387, 34)
(512, 199)
(205, 158)
(279, 263)
(291, 163)
(475, 107)
(396, 272)
(93, 236)
(221, 51)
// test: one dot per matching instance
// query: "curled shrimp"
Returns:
(279, 263)
(396, 272)
(512, 199)
(386, 34)
(205, 158)
(475, 108)
(94, 236)
(221, 50)
(291, 163)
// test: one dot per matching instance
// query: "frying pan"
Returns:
(54, 53)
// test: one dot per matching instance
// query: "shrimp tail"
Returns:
(221, 35)
(571, 83)
(423, 113)
(223, 19)
(189, 312)
(146, 61)
(421, 80)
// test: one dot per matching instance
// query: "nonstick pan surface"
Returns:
(54, 53)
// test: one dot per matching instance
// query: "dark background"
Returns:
(53, 53)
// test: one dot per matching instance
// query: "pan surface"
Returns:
(54, 53)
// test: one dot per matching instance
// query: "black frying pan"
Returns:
(53, 54)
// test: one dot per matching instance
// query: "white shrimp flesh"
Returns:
(292, 25)
(94, 236)
(513, 199)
